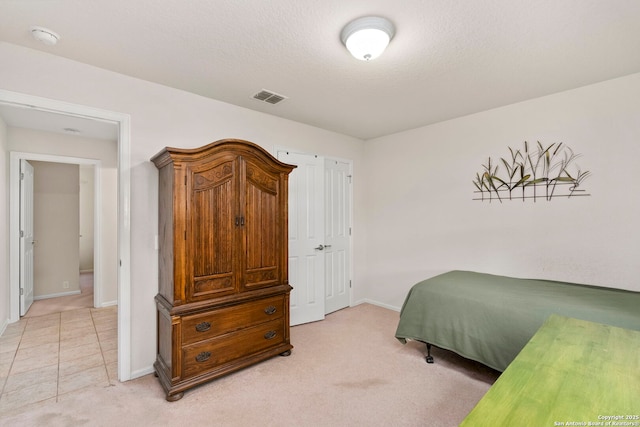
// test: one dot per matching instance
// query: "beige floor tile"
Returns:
(78, 341)
(37, 361)
(9, 344)
(31, 378)
(7, 357)
(37, 350)
(108, 321)
(109, 343)
(78, 352)
(28, 395)
(42, 322)
(42, 332)
(105, 327)
(112, 371)
(15, 329)
(90, 377)
(110, 356)
(5, 367)
(108, 333)
(70, 333)
(70, 367)
(76, 323)
(82, 313)
(34, 341)
(105, 313)
(101, 317)
(47, 357)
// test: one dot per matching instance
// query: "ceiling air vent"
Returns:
(269, 96)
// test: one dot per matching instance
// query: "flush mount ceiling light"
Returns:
(366, 38)
(45, 35)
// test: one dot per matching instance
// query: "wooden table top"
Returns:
(572, 372)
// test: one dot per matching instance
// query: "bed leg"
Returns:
(429, 356)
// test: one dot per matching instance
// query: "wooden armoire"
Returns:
(223, 297)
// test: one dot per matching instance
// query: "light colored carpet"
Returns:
(71, 302)
(348, 370)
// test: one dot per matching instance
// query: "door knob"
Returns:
(321, 247)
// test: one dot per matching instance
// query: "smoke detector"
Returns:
(45, 35)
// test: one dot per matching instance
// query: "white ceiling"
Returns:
(449, 58)
(25, 117)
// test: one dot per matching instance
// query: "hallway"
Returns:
(47, 357)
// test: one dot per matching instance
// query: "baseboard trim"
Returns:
(109, 304)
(62, 294)
(4, 326)
(379, 304)
(142, 372)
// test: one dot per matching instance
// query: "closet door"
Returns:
(263, 222)
(212, 228)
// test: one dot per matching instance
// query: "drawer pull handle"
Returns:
(270, 335)
(270, 310)
(205, 355)
(202, 327)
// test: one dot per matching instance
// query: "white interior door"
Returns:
(306, 234)
(337, 190)
(26, 236)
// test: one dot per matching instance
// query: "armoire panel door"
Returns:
(212, 231)
(262, 229)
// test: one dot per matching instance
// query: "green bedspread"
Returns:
(490, 318)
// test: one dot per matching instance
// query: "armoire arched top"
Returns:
(240, 146)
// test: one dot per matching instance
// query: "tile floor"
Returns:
(46, 357)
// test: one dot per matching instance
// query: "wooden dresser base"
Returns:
(176, 390)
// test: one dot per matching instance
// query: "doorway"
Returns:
(60, 220)
(319, 235)
(122, 122)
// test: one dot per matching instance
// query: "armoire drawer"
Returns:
(201, 357)
(208, 325)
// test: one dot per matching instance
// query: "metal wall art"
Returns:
(533, 173)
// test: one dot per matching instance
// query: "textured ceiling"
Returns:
(449, 58)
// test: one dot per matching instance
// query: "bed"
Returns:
(489, 318)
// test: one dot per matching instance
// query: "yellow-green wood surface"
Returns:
(572, 372)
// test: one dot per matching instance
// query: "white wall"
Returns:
(4, 228)
(419, 196)
(161, 116)
(39, 142)
(56, 225)
(87, 195)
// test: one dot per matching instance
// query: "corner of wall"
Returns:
(4, 228)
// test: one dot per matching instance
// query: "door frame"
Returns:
(14, 181)
(123, 121)
(26, 221)
(278, 148)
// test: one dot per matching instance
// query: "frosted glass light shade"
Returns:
(366, 38)
(45, 35)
